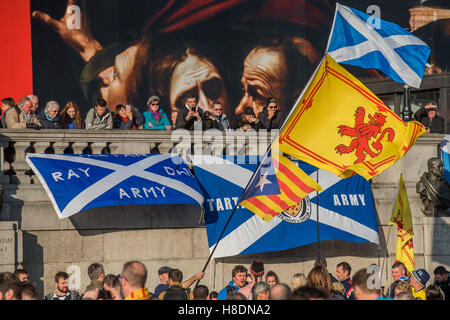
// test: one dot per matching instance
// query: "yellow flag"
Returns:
(401, 217)
(339, 125)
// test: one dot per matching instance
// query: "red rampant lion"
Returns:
(362, 133)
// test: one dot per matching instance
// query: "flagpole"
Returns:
(317, 220)
(229, 219)
(386, 251)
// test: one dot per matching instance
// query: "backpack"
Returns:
(176, 292)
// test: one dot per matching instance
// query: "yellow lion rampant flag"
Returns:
(401, 217)
(340, 126)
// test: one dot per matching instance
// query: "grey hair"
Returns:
(260, 287)
(32, 96)
(94, 271)
(51, 104)
(22, 102)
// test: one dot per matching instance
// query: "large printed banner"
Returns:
(75, 183)
(344, 210)
(238, 52)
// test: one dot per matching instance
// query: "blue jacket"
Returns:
(161, 125)
(223, 293)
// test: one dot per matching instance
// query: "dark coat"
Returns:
(181, 122)
(436, 124)
(242, 122)
(274, 123)
(49, 124)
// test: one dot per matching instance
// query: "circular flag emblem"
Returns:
(298, 213)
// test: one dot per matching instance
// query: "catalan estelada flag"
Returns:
(277, 185)
(339, 125)
(401, 217)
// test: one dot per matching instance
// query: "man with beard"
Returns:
(62, 291)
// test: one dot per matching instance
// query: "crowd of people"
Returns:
(28, 114)
(318, 284)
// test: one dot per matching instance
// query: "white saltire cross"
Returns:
(121, 173)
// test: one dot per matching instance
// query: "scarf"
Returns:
(139, 294)
(49, 117)
(156, 115)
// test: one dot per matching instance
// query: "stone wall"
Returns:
(175, 236)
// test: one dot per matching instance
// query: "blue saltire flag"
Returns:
(79, 182)
(366, 41)
(445, 152)
(346, 210)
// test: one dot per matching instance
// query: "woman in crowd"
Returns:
(320, 278)
(298, 280)
(272, 278)
(123, 118)
(155, 117)
(49, 117)
(71, 116)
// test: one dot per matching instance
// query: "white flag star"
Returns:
(263, 181)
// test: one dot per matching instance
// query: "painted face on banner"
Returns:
(264, 77)
(114, 79)
(197, 76)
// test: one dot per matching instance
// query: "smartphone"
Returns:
(128, 108)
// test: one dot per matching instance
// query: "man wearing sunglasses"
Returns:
(270, 116)
(220, 116)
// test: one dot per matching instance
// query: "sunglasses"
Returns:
(155, 104)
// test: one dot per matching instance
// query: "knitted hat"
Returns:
(257, 268)
(421, 276)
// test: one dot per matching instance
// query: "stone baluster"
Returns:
(60, 146)
(19, 165)
(39, 147)
(114, 147)
(79, 146)
(4, 164)
(165, 146)
(97, 147)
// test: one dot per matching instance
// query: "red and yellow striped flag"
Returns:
(277, 185)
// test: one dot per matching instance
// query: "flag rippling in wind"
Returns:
(339, 125)
(277, 185)
(366, 41)
(401, 217)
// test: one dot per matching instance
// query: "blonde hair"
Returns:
(298, 280)
(403, 286)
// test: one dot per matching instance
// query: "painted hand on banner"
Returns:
(73, 28)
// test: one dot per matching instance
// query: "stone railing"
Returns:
(16, 143)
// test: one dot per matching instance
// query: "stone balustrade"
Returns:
(16, 143)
